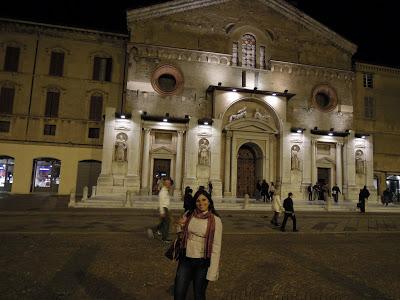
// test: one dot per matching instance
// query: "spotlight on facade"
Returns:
(123, 116)
(363, 136)
(273, 94)
(205, 123)
(330, 132)
(234, 90)
(165, 120)
(299, 130)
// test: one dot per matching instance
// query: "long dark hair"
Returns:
(210, 201)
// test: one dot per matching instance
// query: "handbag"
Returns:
(175, 250)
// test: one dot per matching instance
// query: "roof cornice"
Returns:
(281, 6)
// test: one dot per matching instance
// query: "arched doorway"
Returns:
(249, 169)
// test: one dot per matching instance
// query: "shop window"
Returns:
(46, 175)
(56, 64)
(102, 68)
(6, 173)
(11, 60)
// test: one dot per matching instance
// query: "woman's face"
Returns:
(202, 203)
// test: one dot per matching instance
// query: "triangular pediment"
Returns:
(162, 150)
(251, 125)
(286, 9)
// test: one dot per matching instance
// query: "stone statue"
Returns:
(239, 115)
(121, 148)
(360, 162)
(204, 152)
(295, 161)
(260, 116)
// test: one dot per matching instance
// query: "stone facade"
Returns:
(216, 91)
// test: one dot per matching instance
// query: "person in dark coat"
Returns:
(309, 190)
(289, 212)
(264, 190)
(335, 192)
(387, 197)
(258, 190)
(364, 194)
(210, 187)
(188, 202)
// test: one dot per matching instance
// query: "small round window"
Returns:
(167, 80)
(324, 98)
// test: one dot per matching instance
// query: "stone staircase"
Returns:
(151, 202)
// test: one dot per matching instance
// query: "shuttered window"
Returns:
(6, 100)
(52, 104)
(96, 108)
(56, 64)
(49, 129)
(4, 126)
(369, 107)
(368, 80)
(102, 68)
(11, 60)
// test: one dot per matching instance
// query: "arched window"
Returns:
(96, 107)
(248, 51)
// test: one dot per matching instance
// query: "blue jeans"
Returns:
(191, 269)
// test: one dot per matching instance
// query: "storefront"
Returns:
(46, 175)
(6, 173)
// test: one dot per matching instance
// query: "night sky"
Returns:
(372, 25)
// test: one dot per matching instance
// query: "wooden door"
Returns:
(246, 172)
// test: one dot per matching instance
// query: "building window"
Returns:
(235, 54)
(52, 103)
(46, 175)
(56, 64)
(324, 98)
(4, 126)
(102, 69)
(369, 108)
(243, 78)
(368, 80)
(6, 100)
(96, 108)
(167, 80)
(248, 51)
(11, 60)
(49, 129)
(94, 133)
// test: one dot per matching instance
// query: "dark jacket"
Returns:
(264, 188)
(188, 202)
(288, 205)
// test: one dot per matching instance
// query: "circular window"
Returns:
(324, 98)
(167, 80)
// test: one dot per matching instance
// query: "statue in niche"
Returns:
(241, 113)
(295, 161)
(121, 148)
(360, 162)
(260, 116)
(204, 152)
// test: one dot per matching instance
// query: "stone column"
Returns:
(339, 161)
(178, 168)
(105, 180)
(216, 158)
(314, 172)
(227, 180)
(307, 157)
(350, 190)
(145, 162)
(369, 163)
(233, 165)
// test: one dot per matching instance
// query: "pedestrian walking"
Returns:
(188, 202)
(335, 192)
(276, 208)
(210, 187)
(289, 213)
(264, 190)
(362, 197)
(163, 227)
(387, 197)
(202, 238)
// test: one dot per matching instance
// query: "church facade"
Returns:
(200, 91)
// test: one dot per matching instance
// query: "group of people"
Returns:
(264, 191)
(288, 210)
(201, 230)
(320, 191)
